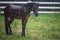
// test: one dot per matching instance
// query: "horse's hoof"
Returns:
(7, 34)
(23, 36)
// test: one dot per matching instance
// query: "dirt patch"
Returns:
(19, 29)
(31, 30)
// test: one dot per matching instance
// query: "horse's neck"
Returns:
(29, 9)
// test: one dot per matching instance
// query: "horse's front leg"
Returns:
(23, 27)
(24, 21)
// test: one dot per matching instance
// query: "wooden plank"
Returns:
(41, 12)
(23, 2)
(40, 7)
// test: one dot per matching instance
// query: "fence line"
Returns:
(23, 2)
(40, 7)
(40, 12)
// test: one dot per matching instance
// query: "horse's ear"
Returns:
(35, 2)
(38, 2)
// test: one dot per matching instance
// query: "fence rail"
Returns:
(23, 2)
(40, 7)
(41, 12)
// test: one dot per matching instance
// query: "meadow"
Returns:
(43, 27)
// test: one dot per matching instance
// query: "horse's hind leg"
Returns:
(10, 21)
(6, 25)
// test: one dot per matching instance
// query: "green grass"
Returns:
(43, 27)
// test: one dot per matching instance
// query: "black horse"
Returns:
(22, 12)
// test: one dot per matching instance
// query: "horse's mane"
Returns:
(28, 5)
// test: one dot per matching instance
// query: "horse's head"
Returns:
(35, 9)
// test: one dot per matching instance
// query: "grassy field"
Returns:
(43, 27)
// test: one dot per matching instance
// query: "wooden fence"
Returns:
(44, 7)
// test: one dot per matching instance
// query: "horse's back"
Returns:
(12, 10)
(15, 7)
